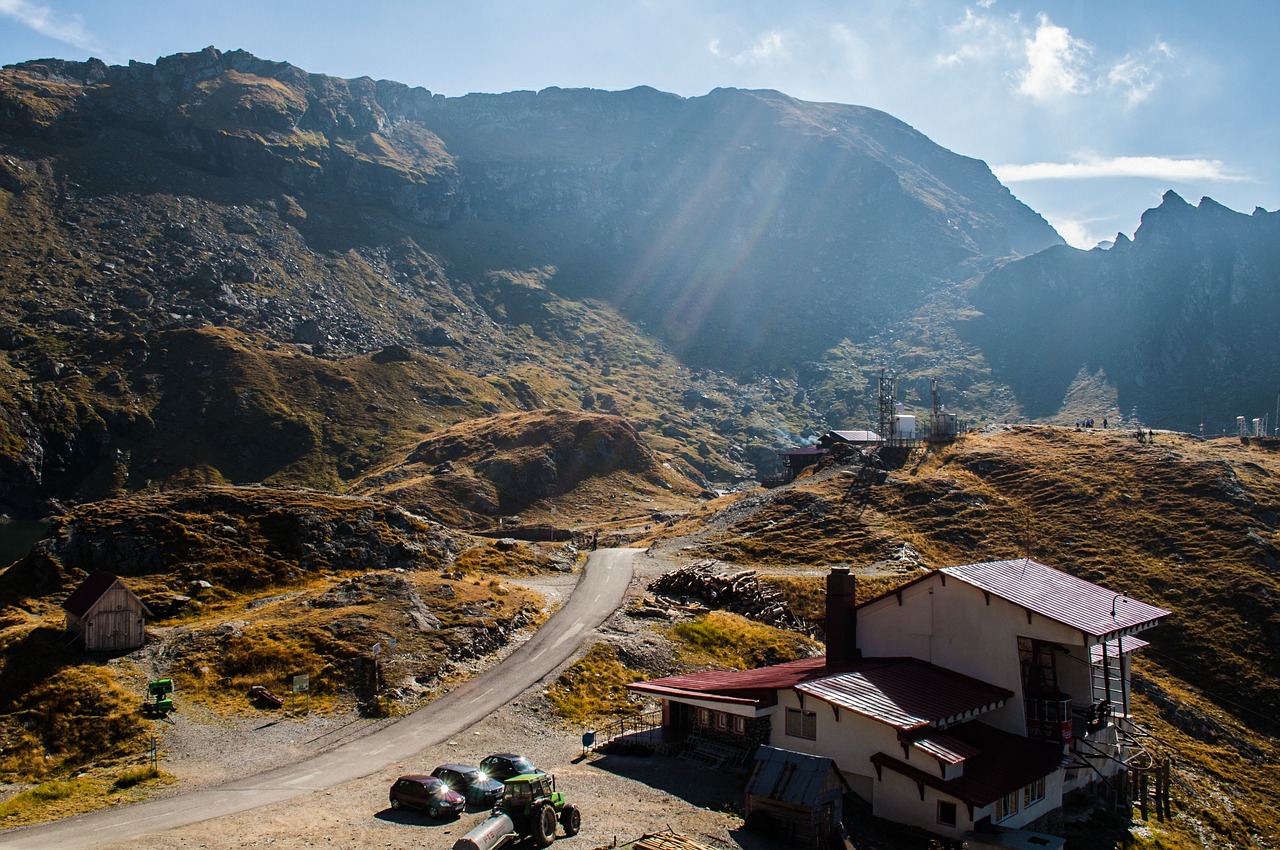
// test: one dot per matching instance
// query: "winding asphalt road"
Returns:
(597, 595)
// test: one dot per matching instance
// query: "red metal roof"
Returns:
(946, 748)
(904, 692)
(750, 686)
(1059, 596)
(908, 693)
(1004, 762)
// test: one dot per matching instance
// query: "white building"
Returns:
(974, 697)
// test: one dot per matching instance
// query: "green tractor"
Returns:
(534, 805)
(530, 808)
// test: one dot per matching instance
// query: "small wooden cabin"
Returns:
(796, 798)
(106, 614)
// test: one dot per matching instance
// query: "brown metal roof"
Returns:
(908, 693)
(1059, 596)
(1004, 763)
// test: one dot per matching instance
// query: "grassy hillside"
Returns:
(247, 586)
(1189, 525)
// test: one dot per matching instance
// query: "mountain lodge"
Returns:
(967, 702)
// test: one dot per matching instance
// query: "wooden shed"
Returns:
(797, 798)
(106, 614)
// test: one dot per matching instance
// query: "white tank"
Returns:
(488, 835)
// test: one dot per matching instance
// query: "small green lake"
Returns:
(18, 536)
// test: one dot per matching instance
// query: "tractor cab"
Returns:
(520, 791)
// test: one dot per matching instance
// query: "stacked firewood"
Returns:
(739, 592)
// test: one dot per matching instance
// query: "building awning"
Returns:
(1114, 648)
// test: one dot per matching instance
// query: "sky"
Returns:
(1088, 111)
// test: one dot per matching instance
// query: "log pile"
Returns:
(739, 592)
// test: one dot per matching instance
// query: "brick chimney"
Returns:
(842, 619)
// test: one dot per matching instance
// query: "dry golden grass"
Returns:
(729, 641)
(594, 688)
(560, 468)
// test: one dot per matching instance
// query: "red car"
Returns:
(427, 793)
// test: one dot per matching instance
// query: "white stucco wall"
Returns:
(897, 798)
(850, 742)
(958, 627)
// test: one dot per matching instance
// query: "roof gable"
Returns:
(1059, 596)
(84, 597)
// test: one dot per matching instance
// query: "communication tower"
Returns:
(888, 397)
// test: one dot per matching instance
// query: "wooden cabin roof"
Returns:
(84, 597)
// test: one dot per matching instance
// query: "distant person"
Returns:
(1104, 423)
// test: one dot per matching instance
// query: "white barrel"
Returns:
(488, 835)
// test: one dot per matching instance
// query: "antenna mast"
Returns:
(888, 394)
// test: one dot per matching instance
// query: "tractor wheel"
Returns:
(543, 826)
(571, 819)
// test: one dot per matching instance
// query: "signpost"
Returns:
(301, 685)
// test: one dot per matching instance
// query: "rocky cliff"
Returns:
(1179, 322)
(699, 216)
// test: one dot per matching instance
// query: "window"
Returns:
(1033, 793)
(722, 721)
(1006, 806)
(739, 724)
(704, 717)
(802, 724)
(1039, 671)
(946, 813)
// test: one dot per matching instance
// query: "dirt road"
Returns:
(598, 593)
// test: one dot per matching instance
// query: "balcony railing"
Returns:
(1049, 718)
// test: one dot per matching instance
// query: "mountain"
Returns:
(221, 269)
(1178, 324)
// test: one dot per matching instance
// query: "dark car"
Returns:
(427, 793)
(503, 766)
(470, 782)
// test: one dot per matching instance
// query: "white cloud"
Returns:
(1078, 233)
(768, 48)
(1152, 167)
(1057, 63)
(1047, 63)
(981, 38)
(44, 20)
(1136, 76)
